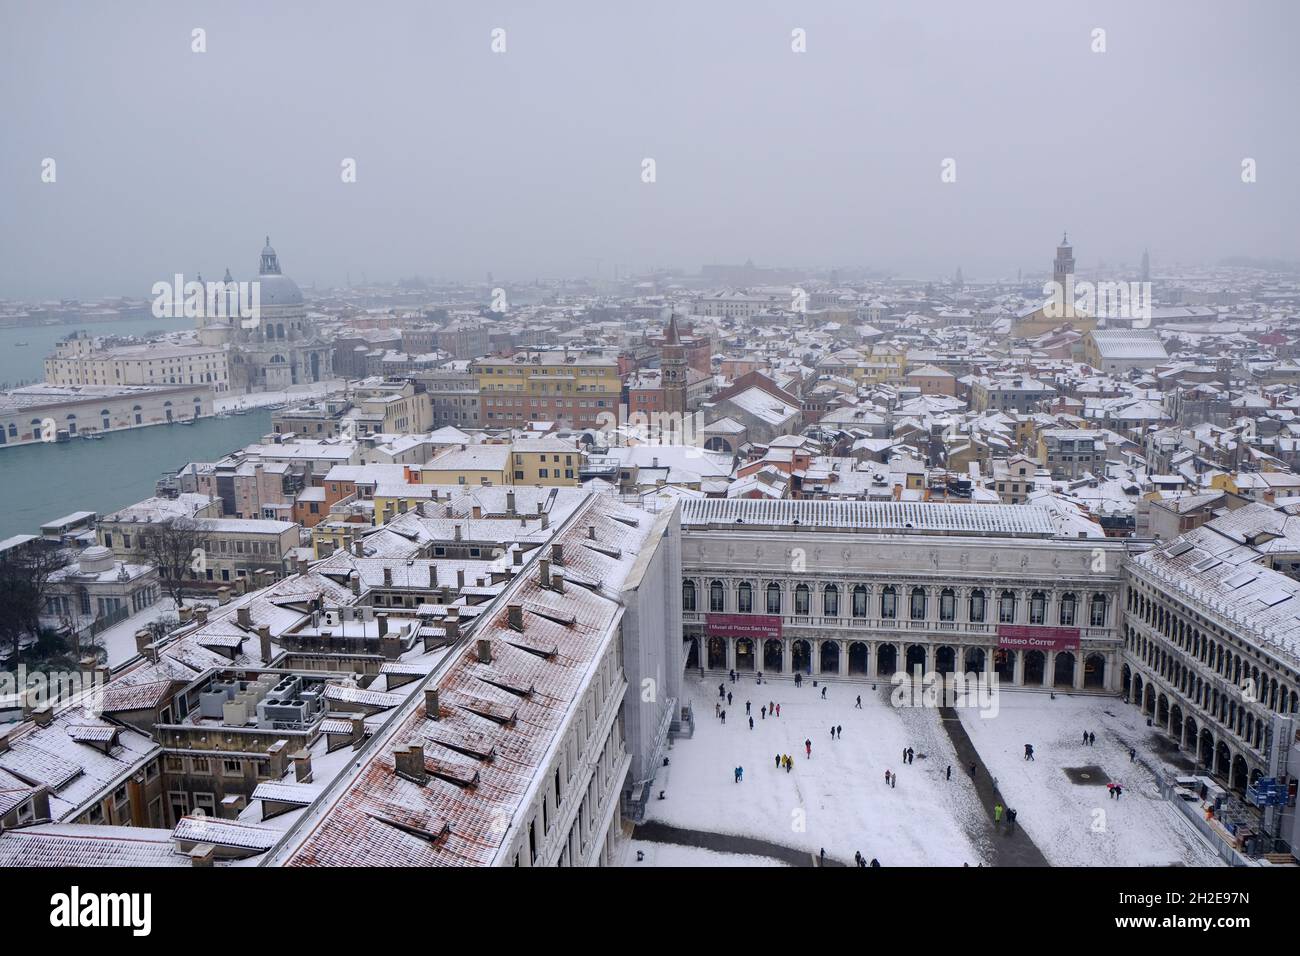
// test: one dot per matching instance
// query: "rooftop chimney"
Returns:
(302, 766)
(477, 511)
(203, 855)
(591, 532)
(433, 575)
(388, 577)
(201, 615)
(382, 620)
(457, 533)
(223, 595)
(515, 616)
(142, 639)
(557, 580)
(545, 566)
(510, 502)
(354, 582)
(42, 716)
(356, 548)
(431, 710)
(485, 650)
(451, 625)
(244, 615)
(264, 642)
(557, 554)
(409, 763)
(460, 579)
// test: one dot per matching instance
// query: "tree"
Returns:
(175, 546)
(24, 581)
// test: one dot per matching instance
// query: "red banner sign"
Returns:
(758, 627)
(1029, 637)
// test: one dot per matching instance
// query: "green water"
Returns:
(42, 481)
(25, 363)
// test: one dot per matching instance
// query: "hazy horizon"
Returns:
(527, 164)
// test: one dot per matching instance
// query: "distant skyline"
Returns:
(528, 163)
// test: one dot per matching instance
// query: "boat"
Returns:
(21, 344)
(92, 436)
(187, 421)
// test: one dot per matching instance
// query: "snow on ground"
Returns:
(119, 640)
(295, 393)
(1080, 825)
(837, 799)
(669, 854)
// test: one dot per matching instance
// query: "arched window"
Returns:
(774, 598)
(1038, 608)
(801, 600)
(831, 601)
(860, 601)
(889, 602)
(717, 602)
(947, 605)
(1007, 608)
(688, 595)
(1067, 609)
(918, 604)
(977, 610)
(745, 598)
(1097, 617)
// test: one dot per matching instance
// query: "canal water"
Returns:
(26, 363)
(43, 481)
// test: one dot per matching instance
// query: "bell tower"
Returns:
(672, 365)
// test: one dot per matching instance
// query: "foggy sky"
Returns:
(527, 164)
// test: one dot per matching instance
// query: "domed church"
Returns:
(280, 346)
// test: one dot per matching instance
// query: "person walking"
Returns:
(857, 857)
(722, 690)
(875, 862)
(1119, 791)
(887, 778)
(823, 691)
(778, 761)
(1132, 754)
(751, 722)
(859, 703)
(821, 857)
(762, 711)
(735, 775)
(971, 769)
(947, 774)
(807, 746)
(997, 814)
(839, 731)
(724, 716)
(789, 763)
(1092, 740)
(1011, 819)
(778, 710)
(728, 698)
(1085, 738)
(893, 782)
(746, 707)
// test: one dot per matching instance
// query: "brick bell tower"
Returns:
(672, 365)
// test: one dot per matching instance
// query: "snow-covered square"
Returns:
(837, 797)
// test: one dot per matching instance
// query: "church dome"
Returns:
(275, 287)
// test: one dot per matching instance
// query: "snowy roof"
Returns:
(879, 516)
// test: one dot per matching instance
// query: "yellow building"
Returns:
(469, 465)
(581, 388)
(545, 461)
(874, 366)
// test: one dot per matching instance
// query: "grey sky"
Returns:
(528, 163)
